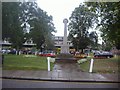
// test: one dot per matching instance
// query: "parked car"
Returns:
(47, 54)
(5, 51)
(12, 51)
(103, 54)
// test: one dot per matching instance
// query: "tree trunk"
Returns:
(82, 51)
(17, 50)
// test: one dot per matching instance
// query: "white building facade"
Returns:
(58, 41)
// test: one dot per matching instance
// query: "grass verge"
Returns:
(20, 62)
(111, 65)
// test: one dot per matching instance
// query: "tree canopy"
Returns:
(109, 13)
(80, 21)
(93, 36)
(11, 24)
(16, 18)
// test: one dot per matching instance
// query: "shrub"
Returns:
(81, 61)
(52, 60)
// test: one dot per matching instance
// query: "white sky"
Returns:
(59, 9)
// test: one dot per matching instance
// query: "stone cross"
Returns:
(65, 46)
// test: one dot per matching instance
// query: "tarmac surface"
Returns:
(61, 72)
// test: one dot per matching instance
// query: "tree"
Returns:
(80, 21)
(16, 16)
(93, 36)
(41, 26)
(109, 13)
(11, 24)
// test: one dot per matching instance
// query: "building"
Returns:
(28, 43)
(58, 42)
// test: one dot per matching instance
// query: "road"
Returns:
(9, 83)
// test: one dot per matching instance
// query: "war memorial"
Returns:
(65, 55)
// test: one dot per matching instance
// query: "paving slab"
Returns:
(7, 72)
(112, 77)
(61, 71)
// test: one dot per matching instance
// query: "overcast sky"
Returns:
(59, 9)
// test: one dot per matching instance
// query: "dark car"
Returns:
(12, 52)
(103, 55)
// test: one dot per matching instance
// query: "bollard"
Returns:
(35, 52)
(48, 58)
(19, 52)
(91, 65)
(16, 52)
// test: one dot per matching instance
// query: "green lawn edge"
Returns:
(111, 65)
(20, 62)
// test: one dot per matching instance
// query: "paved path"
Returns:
(67, 67)
(72, 71)
(61, 71)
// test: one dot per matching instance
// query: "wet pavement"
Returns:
(67, 67)
(60, 72)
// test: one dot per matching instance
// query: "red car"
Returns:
(47, 54)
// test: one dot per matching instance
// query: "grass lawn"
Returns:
(20, 62)
(111, 65)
